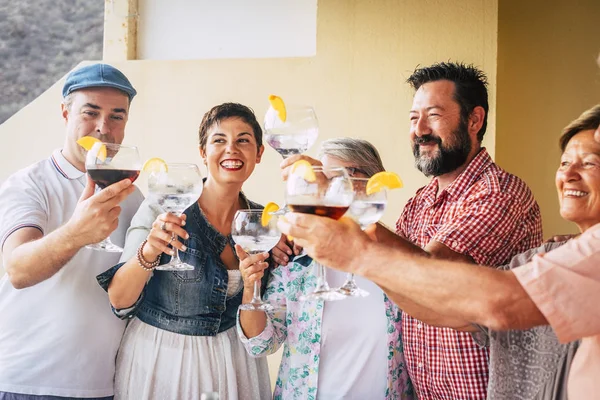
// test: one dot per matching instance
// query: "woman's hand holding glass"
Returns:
(285, 250)
(164, 236)
(286, 164)
(256, 236)
(252, 267)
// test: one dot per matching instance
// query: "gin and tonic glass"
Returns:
(108, 163)
(365, 210)
(330, 195)
(248, 231)
(294, 136)
(174, 191)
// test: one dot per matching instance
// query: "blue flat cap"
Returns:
(98, 75)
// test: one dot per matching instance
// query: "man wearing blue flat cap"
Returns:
(58, 337)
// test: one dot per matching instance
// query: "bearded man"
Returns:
(471, 211)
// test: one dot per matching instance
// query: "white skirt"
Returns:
(156, 364)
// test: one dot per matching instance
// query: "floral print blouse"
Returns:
(297, 325)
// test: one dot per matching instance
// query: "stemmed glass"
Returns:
(174, 191)
(365, 210)
(108, 163)
(294, 136)
(248, 231)
(329, 194)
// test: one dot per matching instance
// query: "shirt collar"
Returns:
(477, 165)
(473, 171)
(64, 167)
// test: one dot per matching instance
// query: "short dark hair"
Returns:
(470, 87)
(590, 119)
(229, 110)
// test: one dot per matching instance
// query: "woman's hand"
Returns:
(251, 266)
(287, 163)
(562, 238)
(284, 250)
(165, 231)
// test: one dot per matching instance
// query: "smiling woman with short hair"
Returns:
(181, 340)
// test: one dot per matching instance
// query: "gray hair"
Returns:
(355, 151)
(68, 101)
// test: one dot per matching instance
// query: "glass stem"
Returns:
(176, 255)
(256, 296)
(322, 284)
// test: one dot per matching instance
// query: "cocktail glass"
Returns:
(329, 194)
(248, 231)
(365, 210)
(294, 136)
(174, 191)
(108, 163)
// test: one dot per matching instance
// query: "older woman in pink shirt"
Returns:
(565, 284)
(559, 287)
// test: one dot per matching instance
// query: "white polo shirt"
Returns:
(58, 337)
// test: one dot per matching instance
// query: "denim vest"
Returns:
(190, 302)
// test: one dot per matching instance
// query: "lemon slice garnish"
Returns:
(279, 106)
(266, 214)
(304, 169)
(155, 165)
(383, 180)
(87, 142)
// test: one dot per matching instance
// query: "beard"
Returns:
(448, 157)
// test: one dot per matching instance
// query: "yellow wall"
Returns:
(365, 51)
(547, 75)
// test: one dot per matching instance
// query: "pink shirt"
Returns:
(565, 285)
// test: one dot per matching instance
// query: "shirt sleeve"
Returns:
(565, 286)
(136, 234)
(402, 227)
(275, 332)
(140, 227)
(22, 205)
(482, 225)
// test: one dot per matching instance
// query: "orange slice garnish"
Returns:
(266, 214)
(155, 164)
(87, 142)
(279, 106)
(304, 169)
(383, 180)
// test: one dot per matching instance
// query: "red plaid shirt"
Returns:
(489, 215)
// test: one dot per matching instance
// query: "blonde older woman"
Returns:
(320, 337)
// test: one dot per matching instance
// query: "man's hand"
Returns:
(287, 163)
(97, 215)
(336, 244)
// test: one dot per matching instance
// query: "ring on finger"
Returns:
(163, 227)
(170, 240)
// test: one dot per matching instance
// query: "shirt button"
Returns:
(454, 244)
(420, 365)
(419, 326)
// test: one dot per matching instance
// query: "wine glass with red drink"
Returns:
(108, 163)
(328, 192)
